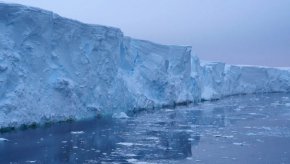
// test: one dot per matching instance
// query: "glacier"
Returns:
(221, 80)
(217, 79)
(54, 69)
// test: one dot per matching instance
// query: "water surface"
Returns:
(239, 129)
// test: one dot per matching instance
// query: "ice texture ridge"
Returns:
(54, 69)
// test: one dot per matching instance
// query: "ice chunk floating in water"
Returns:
(77, 132)
(121, 115)
(55, 69)
(3, 139)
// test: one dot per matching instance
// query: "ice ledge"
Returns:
(22, 9)
(54, 69)
(220, 79)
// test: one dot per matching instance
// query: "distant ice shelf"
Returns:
(54, 69)
(219, 79)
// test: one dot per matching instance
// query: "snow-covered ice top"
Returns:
(53, 69)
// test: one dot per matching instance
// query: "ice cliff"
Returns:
(53, 69)
(218, 80)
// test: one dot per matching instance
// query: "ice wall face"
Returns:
(159, 73)
(219, 79)
(53, 69)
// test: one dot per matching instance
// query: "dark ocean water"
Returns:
(239, 129)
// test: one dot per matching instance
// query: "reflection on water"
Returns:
(251, 129)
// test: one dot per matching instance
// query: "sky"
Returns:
(248, 32)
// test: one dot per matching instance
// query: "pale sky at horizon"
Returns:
(250, 32)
